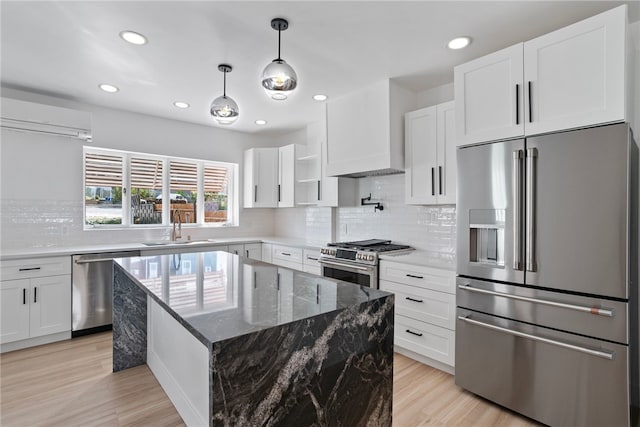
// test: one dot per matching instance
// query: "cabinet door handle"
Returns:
(433, 178)
(517, 104)
(255, 280)
(24, 296)
(312, 258)
(247, 251)
(317, 293)
(29, 269)
(35, 294)
(235, 252)
(255, 193)
(530, 112)
(285, 253)
(278, 192)
(440, 180)
(413, 299)
(414, 333)
(319, 197)
(278, 281)
(415, 277)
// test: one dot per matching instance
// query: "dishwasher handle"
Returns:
(90, 261)
(108, 256)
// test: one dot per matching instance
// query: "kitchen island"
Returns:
(235, 341)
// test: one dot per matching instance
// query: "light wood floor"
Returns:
(70, 383)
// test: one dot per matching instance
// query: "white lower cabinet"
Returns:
(425, 307)
(249, 250)
(311, 261)
(287, 256)
(253, 251)
(14, 310)
(267, 252)
(34, 304)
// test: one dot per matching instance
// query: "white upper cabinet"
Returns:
(447, 144)
(573, 77)
(488, 97)
(261, 178)
(366, 130)
(420, 156)
(430, 145)
(315, 186)
(286, 176)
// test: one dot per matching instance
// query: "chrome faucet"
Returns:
(176, 234)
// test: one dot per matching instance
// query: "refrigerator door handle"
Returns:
(517, 206)
(532, 154)
(599, 353)
(584, 309)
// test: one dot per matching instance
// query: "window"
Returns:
(215, 194)
(146, 190)
(103, 188)
(159, 187)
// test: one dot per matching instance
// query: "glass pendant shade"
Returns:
(224, 110)
(279, 79)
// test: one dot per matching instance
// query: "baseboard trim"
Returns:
(32, 342)
(426, 360)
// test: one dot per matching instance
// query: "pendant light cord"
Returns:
(279, 31)
(224, 84)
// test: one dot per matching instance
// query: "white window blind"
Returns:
(102, 170)
(146, 173)
(183, 176)
(215, 179)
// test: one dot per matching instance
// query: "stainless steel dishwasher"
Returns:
(92, 298)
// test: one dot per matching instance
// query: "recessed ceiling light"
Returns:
(108, 88)
(320, 97)
(133, 37)
(261, 122)
(181, 104)
(459, 42)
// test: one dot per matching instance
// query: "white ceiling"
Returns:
(67, 48)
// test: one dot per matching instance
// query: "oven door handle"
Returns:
(346, 266)
(599, 353)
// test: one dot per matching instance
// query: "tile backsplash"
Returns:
(31, 223)
(427, 228)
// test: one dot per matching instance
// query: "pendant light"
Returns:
(224, 109)
(278, 78)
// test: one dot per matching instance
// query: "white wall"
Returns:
(436, 95)
(41, 182)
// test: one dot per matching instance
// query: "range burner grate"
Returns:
(371, 245)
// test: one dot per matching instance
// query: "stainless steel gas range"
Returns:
(357, 262)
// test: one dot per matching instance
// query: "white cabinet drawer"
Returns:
(287, 254)
(437, 308)
(35, 267)
(425, 339)
(417, 275)
(311, 257)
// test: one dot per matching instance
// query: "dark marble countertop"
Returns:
(217, 295)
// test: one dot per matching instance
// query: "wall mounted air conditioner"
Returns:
(24, 116)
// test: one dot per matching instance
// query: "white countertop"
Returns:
(118, 247)
(421, 258)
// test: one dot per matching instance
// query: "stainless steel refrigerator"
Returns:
(547, 286)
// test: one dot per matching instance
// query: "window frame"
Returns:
(201, 164)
